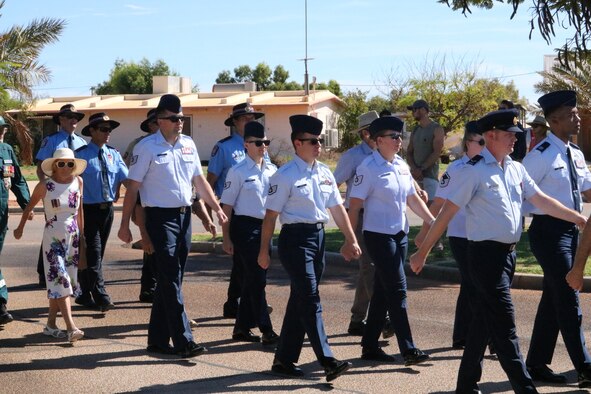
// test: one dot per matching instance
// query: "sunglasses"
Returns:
(173, 118)
(105, 129)
(259, 143)
(394, 136)
(313, 141)
(62, 164)
(70, 116)
(479, 142)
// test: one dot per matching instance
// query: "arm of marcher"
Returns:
(552, 207)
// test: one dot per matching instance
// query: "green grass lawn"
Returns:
(526, 262)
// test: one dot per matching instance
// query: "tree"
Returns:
(356, 105)
(133, 78)
(548, 15)
(455, 92)
(20, 48)
(575, 78)
(261, 75)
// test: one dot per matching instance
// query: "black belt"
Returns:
(101, 205)
(496, 244)
(304, 226)
(245, 218)
(552, 220)
(175, 209)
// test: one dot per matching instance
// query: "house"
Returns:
(205, 112)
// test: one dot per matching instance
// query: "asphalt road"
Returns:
(112, 357)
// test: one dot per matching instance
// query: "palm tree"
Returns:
(20, 47)
(574, 77)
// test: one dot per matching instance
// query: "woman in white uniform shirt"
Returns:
(383, 186)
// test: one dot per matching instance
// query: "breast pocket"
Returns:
(162, 160)
(251, 184)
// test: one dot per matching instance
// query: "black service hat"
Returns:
(385, 123)
(472, 128)
(170, 102)
(305, 124)
(503, 119)
(99, 117)
(554, 100)
(254, 129)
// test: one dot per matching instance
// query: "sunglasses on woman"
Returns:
(259, 143)
(62, 164)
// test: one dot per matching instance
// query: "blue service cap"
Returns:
(305, 124)
(385, 123)
(554, 100)
(254, 129)
(170, 102)
(503, 119)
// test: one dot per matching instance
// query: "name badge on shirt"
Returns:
(403, 171)
(580, 163)
(187, 150)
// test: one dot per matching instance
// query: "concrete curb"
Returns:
(435, 272)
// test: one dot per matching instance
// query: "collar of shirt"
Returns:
(160, 140)
(95, 147)
(366, 148)
(250, 163)
(67, 134)
(380, 160)
(238, 137)
(303, 166)
(489, 158)
(560, 145)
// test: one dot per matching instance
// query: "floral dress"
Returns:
(61, 238)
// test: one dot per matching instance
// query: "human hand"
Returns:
(222, 218)
(350, 251)
(228, 246)
(210, 227)
(18, 232)
(417, 262)
(124, 234)
(31, 215)
(575, 279)
(264, 260)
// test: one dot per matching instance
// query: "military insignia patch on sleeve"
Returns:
(272, 189)
(215, 150)
(133, 160)
(358, 179)
(227, 185)
(444, 180)
(44, 142)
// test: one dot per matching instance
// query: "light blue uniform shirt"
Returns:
(493, 197)
(165, 171)
(302, 193)
(247, 186)
(92, 175)
(348, 163)
(53, 142)
(447, 183)
(384, 187)
(225, 154)
(547, 164)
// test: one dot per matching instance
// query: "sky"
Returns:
(357, 43)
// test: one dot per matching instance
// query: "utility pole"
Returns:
(306, 58)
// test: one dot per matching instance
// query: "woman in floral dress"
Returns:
(61, 194)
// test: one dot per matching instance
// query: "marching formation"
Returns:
(481, 201)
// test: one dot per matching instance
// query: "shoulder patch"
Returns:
(215, 150)
(543, 146)
(358, 180)
(474, 160)
(224, 139)
(82, 148)
(133, 160)
(44, 142)
(227, 185)
(445, 178)
(272, 189)
(573, 146)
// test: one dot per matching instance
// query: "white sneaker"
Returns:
(53, 332)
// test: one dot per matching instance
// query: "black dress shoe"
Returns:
(286, 368)
(543, 373)
(414, 356)
(147, 296)
(160, 350)
(191, 350)
(5, 318)
(356, 328)
(377, 355)
(106, 306)
(270, 338)
(334, 368)
(584, 378)
(245, 336)
(230, 310)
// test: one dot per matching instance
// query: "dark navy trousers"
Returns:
(388, 253)
(301, 251)
(98, 220)
(554, 243)
(463, 316)
(170, 232)
(245, 233)
(491, 266)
